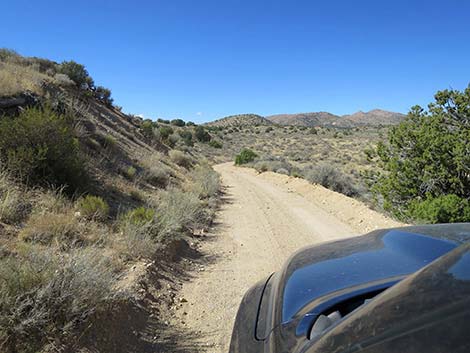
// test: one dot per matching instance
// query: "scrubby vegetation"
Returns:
(39, 147)
(86, 192)
(426, 161)
(331, 178)
(245, 156)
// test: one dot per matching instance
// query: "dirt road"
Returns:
(265, 218)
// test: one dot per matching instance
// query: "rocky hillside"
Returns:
(241, 120)
(94, 205)
(372, 118)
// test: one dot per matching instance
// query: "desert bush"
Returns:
(44, 297)
(178, 122)
(215, 144)
(103, 94)
(173, 139)
(77, 73)
(130, 173)
(147, 128)
(63, 80)
(155, 172)
(110, 142)
(201, 134)
(331, 178)
(177, 212)
(272, 165)
(205, 182)
(39, 147)
(282, 171)
(60, 229)
(139, 216)
(245, 156)
(165, 132)
(93, 207)
(181, 159)
(137, 241)
(442, 209)
(187, 137)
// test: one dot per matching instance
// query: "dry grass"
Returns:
(204, 181)
(43, 297)
(58, 229)
(14, 203)
(16, 79)
(178, 212)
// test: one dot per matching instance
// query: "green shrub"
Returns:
(103, 94)
(93, 207)
(187, 137)
(426, 156)
(77, 73)
(173, 140)
(39, 148)
(181, 159)
(130, 172)
(245, 156)
(331, 178)
(442, 209)
(178, 122)
(140, 216)
(215, 144)
(110, 142)
(201, 134)
(147, 128)
(165, 132)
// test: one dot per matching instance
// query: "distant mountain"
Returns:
(240, 120)
(372, 118)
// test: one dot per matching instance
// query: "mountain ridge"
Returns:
(374, 117)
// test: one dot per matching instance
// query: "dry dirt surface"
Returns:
(265, 218)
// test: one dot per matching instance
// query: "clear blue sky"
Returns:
(204, 59)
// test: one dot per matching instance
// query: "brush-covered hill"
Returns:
(240, 120)
(304, 119)
(316, 119)
(92, 202)
(372, 118)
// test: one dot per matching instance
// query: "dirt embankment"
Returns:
(264, 219)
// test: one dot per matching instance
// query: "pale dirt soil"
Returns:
(264, 219)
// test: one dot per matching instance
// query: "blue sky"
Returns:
(205, 59)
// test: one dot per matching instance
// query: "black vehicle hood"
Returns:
(314, 275)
